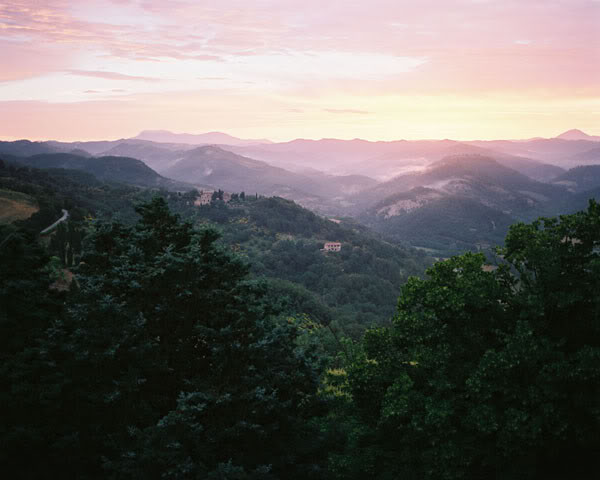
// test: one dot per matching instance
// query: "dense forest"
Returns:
(218, 341)
(282, 242)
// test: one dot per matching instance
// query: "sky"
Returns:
(284, 69)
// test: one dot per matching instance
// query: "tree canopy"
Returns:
(486, 373)
(167, 362)
(166, 359)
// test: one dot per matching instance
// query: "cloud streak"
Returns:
(303, 55)
(112, 75)
(346, 110)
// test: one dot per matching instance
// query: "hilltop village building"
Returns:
(332, 247)
(205, 198)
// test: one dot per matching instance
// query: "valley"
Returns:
(444, 195)
(280, 240)
(394, 207)
(295, 240)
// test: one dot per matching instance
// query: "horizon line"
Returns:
(264, 138)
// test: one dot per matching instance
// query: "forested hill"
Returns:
(347, 290)
(460, 203)
(282, 241)
(164, 358)
(108, 168)
(79, 192)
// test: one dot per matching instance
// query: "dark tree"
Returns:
(28, 307)
(486, 374)
(172, 364)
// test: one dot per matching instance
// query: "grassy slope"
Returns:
(16, 206)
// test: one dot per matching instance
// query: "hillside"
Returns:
(208, 167)
(110, 168)
(16, 206)
(25, 148)
(474, 176)
(157, 156)
(580, 179)
(215, 166)
(212, 167)
(580, 201)
(54, 189)
(591, 156)
(282, 242)
(440, 222)
(462, 202)
(338, 185)
(542, 172)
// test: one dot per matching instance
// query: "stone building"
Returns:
(332, 246)
(205, 197)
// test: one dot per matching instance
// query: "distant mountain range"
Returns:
(556, 151)
(383, 160)
(474, 176)
(586, 158)
(461, 202)
(538, 158)
(217, 138)
(216, 166)
(206, 167)
(440, 194)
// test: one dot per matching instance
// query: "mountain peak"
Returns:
(574, 134)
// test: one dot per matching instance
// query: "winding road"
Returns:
(60, 220)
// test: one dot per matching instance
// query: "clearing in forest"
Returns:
(16, 206)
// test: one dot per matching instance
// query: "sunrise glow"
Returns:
(461, 69)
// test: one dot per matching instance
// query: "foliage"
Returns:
(27, 309)
(349, 290)
(169, 363)
(167, 358)
(486, 374)
(449, 225)
(107, 168)
(78, 192)
(463, 202)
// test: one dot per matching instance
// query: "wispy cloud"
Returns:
(112, 90)
(112, 75)
(346, 110)
(207, 58)
(380, 55)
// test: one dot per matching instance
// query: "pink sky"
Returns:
(463, 69)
